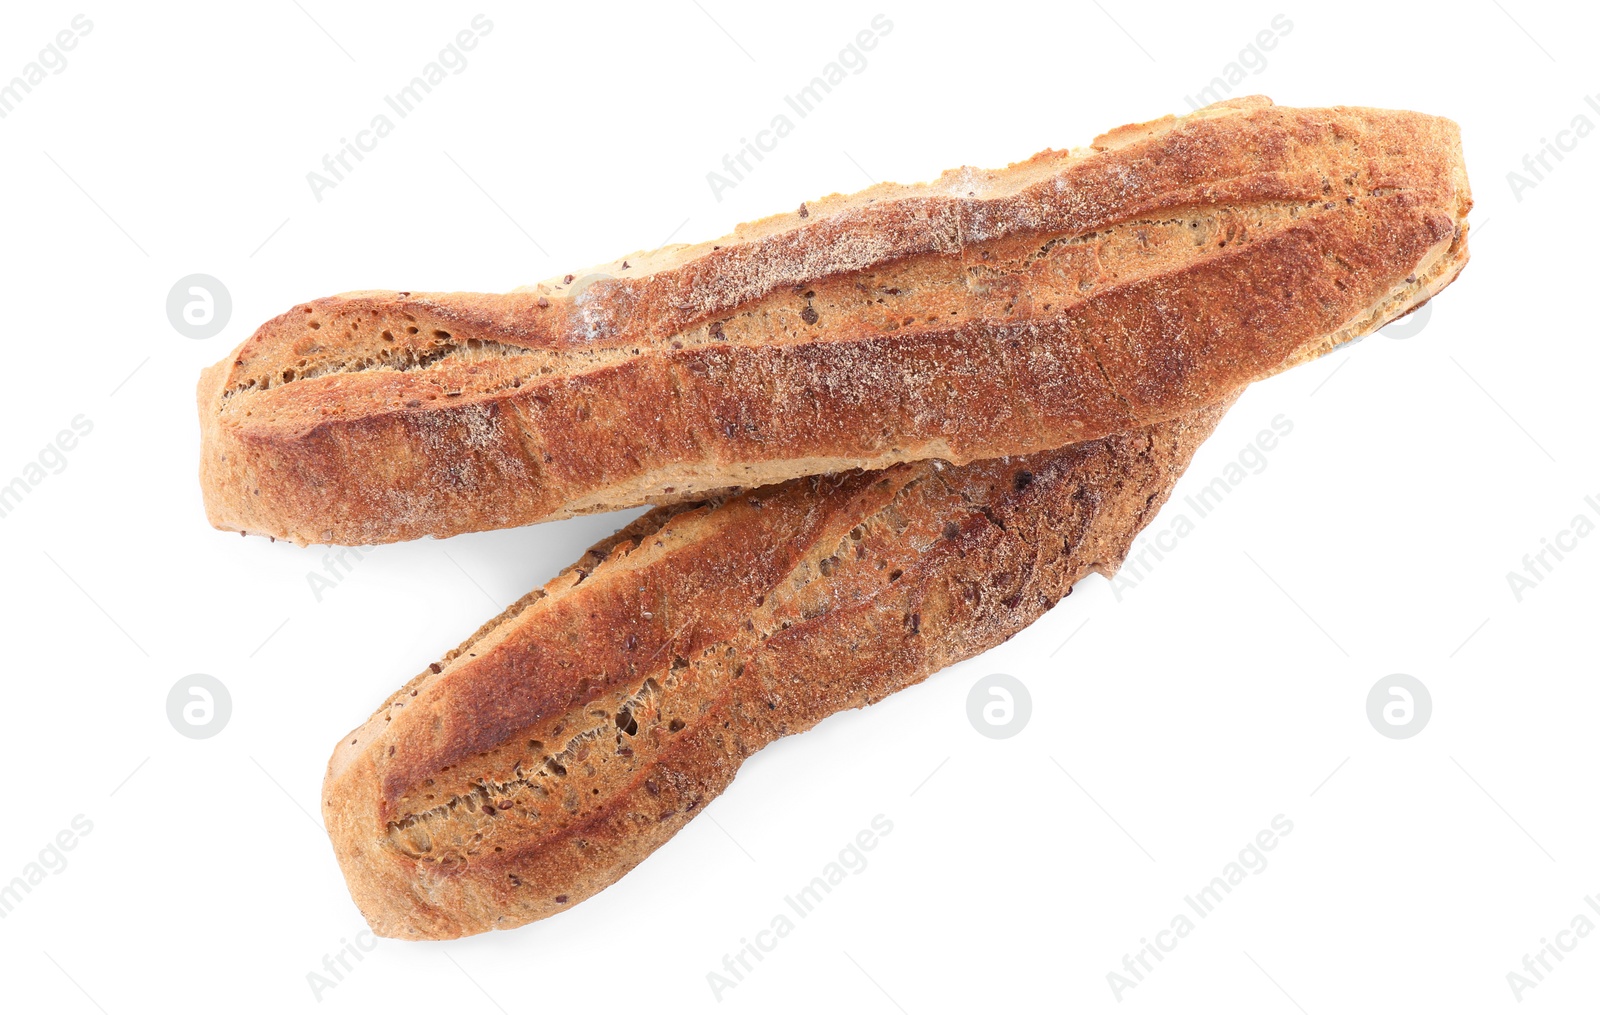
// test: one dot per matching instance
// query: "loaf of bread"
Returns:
(579, 730)
(989, 313)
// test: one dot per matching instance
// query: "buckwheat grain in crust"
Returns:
(988, 313)
(573, 735)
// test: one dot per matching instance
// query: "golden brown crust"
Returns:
(573, 735)
(988, 313)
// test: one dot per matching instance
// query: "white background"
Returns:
(1227, 687)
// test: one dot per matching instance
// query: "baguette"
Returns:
(578, 731)
(989, 313)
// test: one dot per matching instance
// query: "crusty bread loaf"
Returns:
(989, 313)
(579, 730)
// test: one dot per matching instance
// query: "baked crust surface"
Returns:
(988, 313)
(573, 735)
